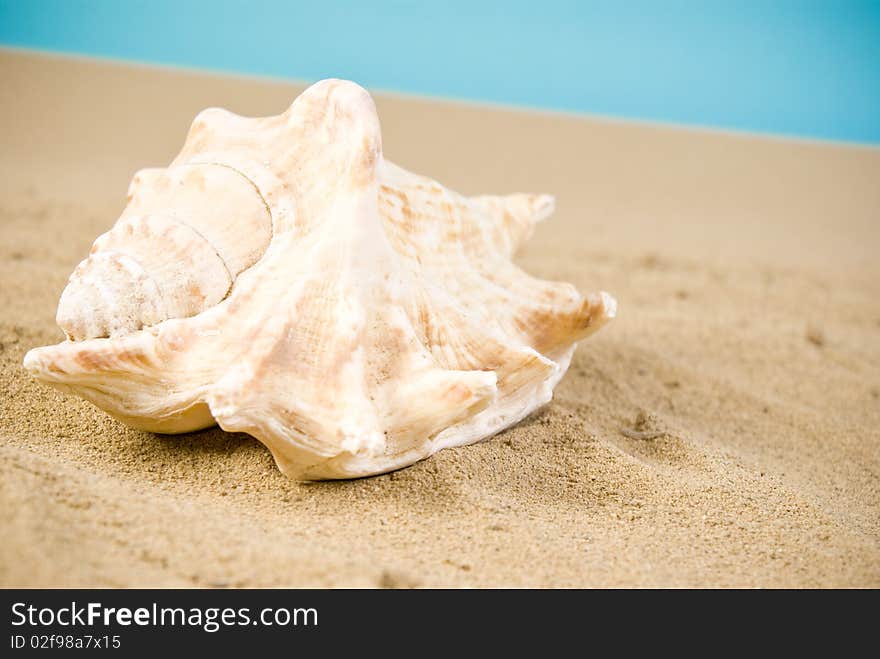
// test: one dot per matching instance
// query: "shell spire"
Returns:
(281, 278)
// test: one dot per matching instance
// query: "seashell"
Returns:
(281, 278)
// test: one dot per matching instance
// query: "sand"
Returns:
(746, 353)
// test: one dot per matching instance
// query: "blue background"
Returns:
(803, 68)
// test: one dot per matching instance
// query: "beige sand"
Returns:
(749, 337)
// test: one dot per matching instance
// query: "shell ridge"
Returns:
(232, 276)
(188, 253)
(243, 175)
(480, 263)
(482, 335)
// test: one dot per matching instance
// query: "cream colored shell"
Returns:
(281, 278)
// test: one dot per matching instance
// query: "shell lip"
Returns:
(52, 363)
(32, 362)
(43, 362)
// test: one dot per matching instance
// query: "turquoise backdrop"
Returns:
(802, 68)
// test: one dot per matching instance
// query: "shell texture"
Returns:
(281, 278)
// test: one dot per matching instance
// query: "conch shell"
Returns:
(281, 278)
